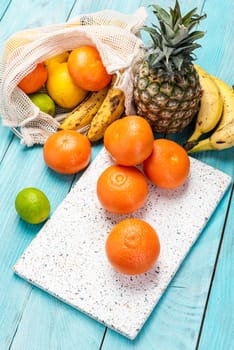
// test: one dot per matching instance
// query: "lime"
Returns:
(44, 102)
(32, 205)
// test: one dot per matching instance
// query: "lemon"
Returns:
(52, 62)
(32, 205)
(62, 89)
(44, 102)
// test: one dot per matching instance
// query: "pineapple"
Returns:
(167, 91)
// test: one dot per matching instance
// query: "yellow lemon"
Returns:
(52, 62)
(62, 89)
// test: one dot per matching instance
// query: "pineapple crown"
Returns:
(173, 40)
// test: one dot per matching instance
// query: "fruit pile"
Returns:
(78, 82)
(169, 92)
(133, 246)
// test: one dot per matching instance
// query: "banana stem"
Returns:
(197, 146)
(195, 136)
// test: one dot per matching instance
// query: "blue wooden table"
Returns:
(196, 311)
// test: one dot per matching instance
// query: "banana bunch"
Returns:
(98, 110)
(216, 113)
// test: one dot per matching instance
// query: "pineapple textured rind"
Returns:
(167, 110)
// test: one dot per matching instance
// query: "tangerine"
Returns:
(129, 140)
(168, 165)
(87, 70)
(67, 151)
(122, 189)
(133, 246)
(33, 81)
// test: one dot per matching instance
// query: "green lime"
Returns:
(32, 205)
(44, 102)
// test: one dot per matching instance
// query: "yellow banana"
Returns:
(228, 102)
(223, 136)
(83, 114)
(211, 105)
(111, 109)
(221, 139)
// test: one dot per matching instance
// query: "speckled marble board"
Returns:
(67, 258)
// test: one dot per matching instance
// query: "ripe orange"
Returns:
(129, 140)
(67, 151)
(122, 189)
(132, 246)
(33, 81)
(87, 70)
(168, 165)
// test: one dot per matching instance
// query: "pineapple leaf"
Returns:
(178, 61)
(161, 14)
(173, 40)
(177, 9)
(181, 34)
(186, 49)
(169, 32)
(155, 36)
(186, 20)
(192, 37)
(154, 58)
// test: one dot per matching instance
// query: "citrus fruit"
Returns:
(43, 102)
(132, 246)
(129, 140)
(67, 151)
(33, 81)
(168, 165)
(122, 189)
(32, 205)
(62, 89)
(87, 70)
(52, 62)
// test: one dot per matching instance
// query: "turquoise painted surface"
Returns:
(196, 310)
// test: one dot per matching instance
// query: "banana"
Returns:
(85, 111)
(228, 102)
(111, 109)
(211, 105)
(223, 136)
(221, 139)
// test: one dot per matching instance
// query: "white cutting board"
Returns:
(67, 257)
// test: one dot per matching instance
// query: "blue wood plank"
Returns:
(22, 15)
(218, 329)
(3, 7)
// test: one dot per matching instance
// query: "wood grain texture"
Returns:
(218, 329)
(29, 318)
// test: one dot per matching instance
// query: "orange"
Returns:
(132, 246)
(129, 140)
(67, 151)
(33, 81)
(122, 189)
(168, 165)
(87, 70)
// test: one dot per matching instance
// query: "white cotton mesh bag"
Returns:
(114, 34)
